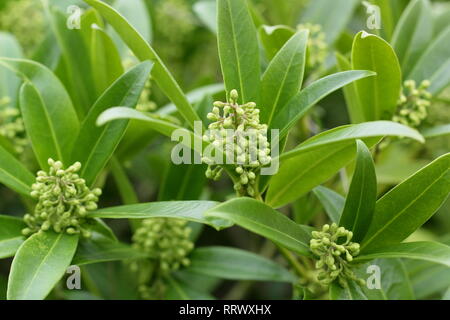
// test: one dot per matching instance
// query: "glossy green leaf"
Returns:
(333, 16)
(39, 264)
(105, 59)
(378, 95)
(283, 77)
(412, 34)
(13, 173)
(332, 202)
(273, 38)
(11, 237)
(144, 51)
(409, 205)
(238, 49)
(302, 102)
(164, 127)
(395, 283)
(188, 210)
(215, 261)
(75, 54)
(47, 111)
(352, 292)
(320, 157)
(423, 250)
(354, 108)
(183, 182)
(136, 12)
(95, 251)
(362, 195)
(261, 219)
(95, 145)
(427, 278)
(434, 64)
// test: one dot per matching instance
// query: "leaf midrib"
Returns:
(390, 221)
(296, 178)
(30, 284)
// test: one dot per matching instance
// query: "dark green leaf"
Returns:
(238, 49)
(378, 95)
(362, 195)
(236, 264)
(95, 145)
(189, 210)
(409, 205)
(284, 76)
(261, 219)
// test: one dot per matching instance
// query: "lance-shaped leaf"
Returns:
(422, 250)
(188, 210)
(144, 51)
(273, 38)
(393, 279)
(95, 145)
(261, 219)
(409, 205)
(303, 101)
(75, 54)
(238, 49)
(434, 64)
(101, 250)
(284, 76)
(13, 173)
(332, 202)
(378, 95)
(49, 117)
(320, 157)
(156, 123)
(105, 59)
(354, 108)
(39, 264)
(11, 236)
(362, 195)
(236, 264)
(352, 292)
(412, 34)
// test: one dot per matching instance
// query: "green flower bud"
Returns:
(333, 255)
(63, 200)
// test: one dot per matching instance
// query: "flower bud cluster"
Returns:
(11, 125)
(26, 20)
(412, 107)
(63, 201)
(237, 131)
(317, 47)
(166, 241)
(335, 250)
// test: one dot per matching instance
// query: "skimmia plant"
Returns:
(83, 110)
